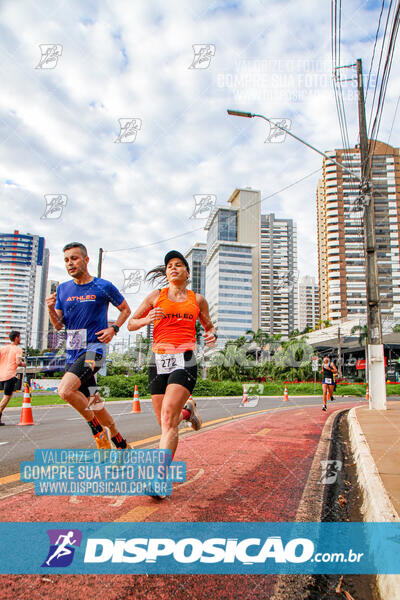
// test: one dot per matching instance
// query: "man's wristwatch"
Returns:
(115, 327)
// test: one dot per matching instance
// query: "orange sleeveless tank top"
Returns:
(176, 331)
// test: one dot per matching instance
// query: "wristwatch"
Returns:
(215, 334)
(115, 327)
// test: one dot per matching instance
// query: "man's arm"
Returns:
(20, 362)
(55, 314)
(106, 335)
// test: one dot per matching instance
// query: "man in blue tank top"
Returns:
(81, 305)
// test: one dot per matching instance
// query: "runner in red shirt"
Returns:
(10, 360)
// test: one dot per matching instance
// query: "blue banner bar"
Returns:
(213, 548)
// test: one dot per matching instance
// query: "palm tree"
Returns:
(294, 333)
(294, 357)
(260, 338)
(363, 341)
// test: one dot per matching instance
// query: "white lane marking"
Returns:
(2, 443)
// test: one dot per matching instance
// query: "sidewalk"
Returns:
(375, 436)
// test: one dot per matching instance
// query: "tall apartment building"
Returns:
(341, 263)
(308, 297)
(251, 268)
(233, 265)
(279, 275)
(196, 258)
(24, 263)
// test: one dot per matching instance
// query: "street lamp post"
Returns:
(376, 367)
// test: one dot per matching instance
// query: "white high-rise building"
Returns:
(24, 263)
(279, 275)
(232, 265)
(251, 269)
(308, 295)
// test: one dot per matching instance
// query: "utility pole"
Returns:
(376, 363)
(100, 262)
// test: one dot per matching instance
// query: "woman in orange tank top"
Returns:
(174, 311)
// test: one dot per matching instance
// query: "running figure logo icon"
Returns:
(50, 53)
(330, 471)
(203, 54)
(203, 205)
(128, 130)
(277, 135)
(133, 279)
(61, 551)
(55, 204)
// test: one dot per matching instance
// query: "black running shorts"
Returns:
(185, 377)
(85, 367)
(9, 385)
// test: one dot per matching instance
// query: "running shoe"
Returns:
(332, 399)
(102, 441)
(324, 408)
(194, 418)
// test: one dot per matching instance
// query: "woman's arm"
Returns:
(209, 335)
(146, 313)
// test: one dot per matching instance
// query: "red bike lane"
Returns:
(251, 469)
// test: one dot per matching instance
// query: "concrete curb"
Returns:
(309, 509)
(377, 506)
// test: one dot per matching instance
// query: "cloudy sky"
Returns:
(73, 72)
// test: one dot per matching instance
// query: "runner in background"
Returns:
(174, 311)
(82, 305)
(10, 360)
(328, 370)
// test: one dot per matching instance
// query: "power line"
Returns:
(200, 228)
(385, 77)
(373, 52)
(379, 65)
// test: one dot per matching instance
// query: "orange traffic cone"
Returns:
(26, 412)
(285, 395)
(367, 393)
(136, 402)
(244, 399)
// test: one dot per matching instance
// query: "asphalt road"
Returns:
(59, 426)
(238, 470)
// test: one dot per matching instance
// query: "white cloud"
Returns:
(130, 60)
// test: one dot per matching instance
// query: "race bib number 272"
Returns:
(167, 363)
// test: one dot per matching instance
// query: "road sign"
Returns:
(315, 363)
